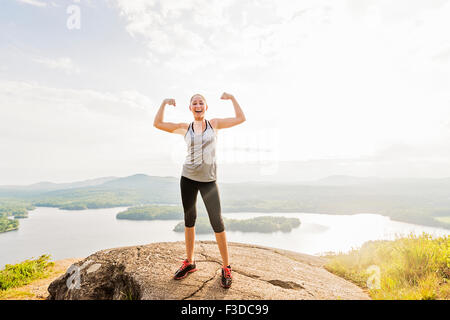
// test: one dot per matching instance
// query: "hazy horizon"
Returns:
(282, 177)
(346, 87)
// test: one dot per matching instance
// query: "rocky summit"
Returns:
(146, 272)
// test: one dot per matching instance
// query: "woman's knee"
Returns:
(189, 219)
(189, 224)
(218, 225)
(219, 229)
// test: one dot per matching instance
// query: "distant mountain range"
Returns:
(343, 180)
(133, 181)
(49, 186)
(137, 181)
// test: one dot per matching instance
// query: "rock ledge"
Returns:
(145, 272)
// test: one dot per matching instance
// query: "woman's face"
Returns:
(198, 107)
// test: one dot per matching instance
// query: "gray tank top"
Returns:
(200, 164)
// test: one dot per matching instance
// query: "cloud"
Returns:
(83, 118)
(228, 34)
(64, 64)
(443, 56)
(122, 103)
(35, 3)
(53, 133)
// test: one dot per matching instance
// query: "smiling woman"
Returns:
(199, 174)
(198, 105)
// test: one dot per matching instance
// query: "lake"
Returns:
(79, 233)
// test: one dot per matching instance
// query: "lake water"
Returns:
(71, 234)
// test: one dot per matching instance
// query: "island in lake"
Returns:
(264, 224)
(152, 212)
(259, 224)
(10, 211)
(7, 224)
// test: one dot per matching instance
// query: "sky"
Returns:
(328, 87)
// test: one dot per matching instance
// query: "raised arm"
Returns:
(222, 123)
(179, 128)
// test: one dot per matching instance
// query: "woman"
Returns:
(199, 174)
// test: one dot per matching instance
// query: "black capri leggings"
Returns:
(210, 195)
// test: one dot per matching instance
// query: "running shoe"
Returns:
(185, 268)
(226, 277)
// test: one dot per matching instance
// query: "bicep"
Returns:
(179, 128)
(223, 123)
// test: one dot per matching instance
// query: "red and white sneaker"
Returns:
(226, 277)
(185, 268)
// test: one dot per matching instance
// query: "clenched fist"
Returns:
(170, 101)
(226, 96)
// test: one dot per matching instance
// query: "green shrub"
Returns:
(24, 272)
(412, 267)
